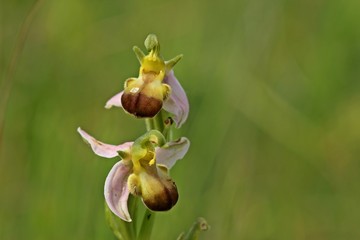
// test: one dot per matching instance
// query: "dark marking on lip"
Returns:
(165, 199)
(141, 105)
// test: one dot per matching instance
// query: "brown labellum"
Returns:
(141, 105)
(164, 199)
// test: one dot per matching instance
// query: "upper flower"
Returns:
(143, 171)
(155, 88)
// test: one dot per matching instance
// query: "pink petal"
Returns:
(114, 101)
(177, 103)
(103, 149)
(116, 190)
(172, 151)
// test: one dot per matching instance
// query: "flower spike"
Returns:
(143, 165)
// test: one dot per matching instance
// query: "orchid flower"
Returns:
(154, 89)
(142, 171)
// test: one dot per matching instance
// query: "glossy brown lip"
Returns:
(165, 199)
(141, 105)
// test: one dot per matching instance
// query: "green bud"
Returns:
(151, 42)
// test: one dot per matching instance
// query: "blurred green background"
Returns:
(274, 122)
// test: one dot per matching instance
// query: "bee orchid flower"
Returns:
(156, 87)
(142, 171)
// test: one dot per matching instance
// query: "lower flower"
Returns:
(143, 171)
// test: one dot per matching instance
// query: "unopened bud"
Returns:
(151, 42)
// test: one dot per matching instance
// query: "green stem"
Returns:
(159, 122)
(133, 208)
(149, 123)
(147, 225)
